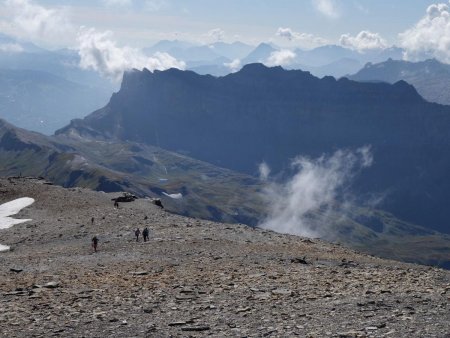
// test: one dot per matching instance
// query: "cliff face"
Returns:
(272, 115)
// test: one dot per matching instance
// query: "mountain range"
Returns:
(273, 115)
(431, 78)
(43, 90)
(196, 141)
(44, 102)
(214, 59)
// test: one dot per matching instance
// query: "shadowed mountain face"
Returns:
(431, 78)
(272, 115)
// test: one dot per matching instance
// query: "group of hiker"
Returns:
(137, 233)
(145, 233)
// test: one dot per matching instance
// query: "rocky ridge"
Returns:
(196, 278)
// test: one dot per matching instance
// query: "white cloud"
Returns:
(365, 40)
(264, 171)
(37, 23)
(98, 51)
(328, 8)
(11, 48)
(304, 39)
(302, 205)
(282, 57)
(216, 34)
(234, 65)
(430, 37)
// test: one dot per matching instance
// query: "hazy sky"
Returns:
(109, 35)
(140, 23)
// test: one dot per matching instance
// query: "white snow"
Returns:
(174, 196)
(9, 209)
(12, 208)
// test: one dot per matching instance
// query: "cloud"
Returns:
(282, 57)
(99, 51)
(11, 48)
(430, 36)
(264, 171)
(216, 34)
(36, 23)
(365, 40)
(305, 40)
(302, 205)
(328, 8)
(234, 65)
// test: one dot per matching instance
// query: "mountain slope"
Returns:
(196, 278)
(43, 102)
(197, 189)
(431, 78)
(206, 191)
(272, 115)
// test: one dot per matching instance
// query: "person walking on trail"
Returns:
(145, 234)
(116, 205)
(92, 221)
(95, 243)
(137, 232)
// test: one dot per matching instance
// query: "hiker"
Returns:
(145, 234)
(137, 233)
(95, 242)
(116, 205)
(92, 221)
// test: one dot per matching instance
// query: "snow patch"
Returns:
(9, 209)
(4, 248)
(174, 196)
(12, 208)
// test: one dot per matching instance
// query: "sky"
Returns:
(141, 23)
(123, 27)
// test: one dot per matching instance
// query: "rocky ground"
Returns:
(196, 278)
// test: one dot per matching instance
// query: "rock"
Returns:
(299, 260)
(179, 323)
(185, 297)
(195, 328)
(17, 270)
(139, 273)
(51, 285)
(282, 292)
(243, 310)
